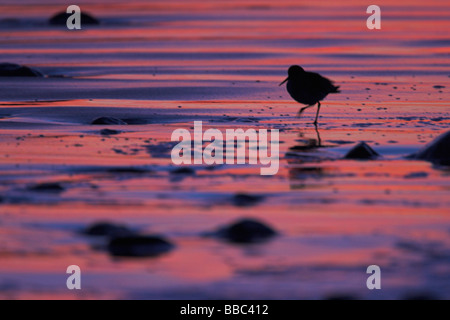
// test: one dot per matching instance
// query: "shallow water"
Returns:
(163, 65)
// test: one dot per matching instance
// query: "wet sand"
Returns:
(160, 68)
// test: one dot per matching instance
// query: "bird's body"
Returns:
(308, 87)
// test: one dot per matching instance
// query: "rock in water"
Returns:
(183, 170)
(437, 152)
(129, 170)
(246, 231)
(107, 229)
(139, 246)
(246, 200)
(109, 132)
(50, 187)
(108, 121)
(362, 151)
(60, 19)
(16, 70)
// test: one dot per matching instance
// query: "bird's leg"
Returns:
(319, 141)
(317, 114)
(303, 109)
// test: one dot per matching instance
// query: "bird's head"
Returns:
(293, 72)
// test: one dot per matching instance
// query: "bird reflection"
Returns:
(304, 160)
(308, 143)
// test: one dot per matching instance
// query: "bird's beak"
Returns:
(284, 81)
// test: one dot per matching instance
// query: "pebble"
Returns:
(246, 200)
(246, 231)
(109, 132)
(107, 229)
(128, 170)
(139, 246)
(47, 187)
(362, 151)
(183, 170)
(108, 121)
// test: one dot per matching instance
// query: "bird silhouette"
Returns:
(308, 88)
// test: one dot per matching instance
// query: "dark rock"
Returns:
(245, 231)
(16, 70)
(139, 246)
(107, 229)
(415, 175)
(127, 170)
(437, 152)
(183, 170)
(246, 200)
(47, 187)
(213, 167)
(362, 151)
(179, 174)
(108, 121)
(109, 132)
(60, 19)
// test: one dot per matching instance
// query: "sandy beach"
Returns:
(160, 66)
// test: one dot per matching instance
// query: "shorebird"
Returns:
(308, 88)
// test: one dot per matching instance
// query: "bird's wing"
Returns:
(320, 83)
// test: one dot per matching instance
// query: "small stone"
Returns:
(362, 151)
(246, 231)
(47, 187)
(415, 175)
(109, 132)
(108, 121)
(183, 170)
(246, 200)
(107, 229)
(139, 246)
(60, 19)
(16, 70)
(128, 170)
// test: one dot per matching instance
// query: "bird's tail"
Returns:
(335, 89)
